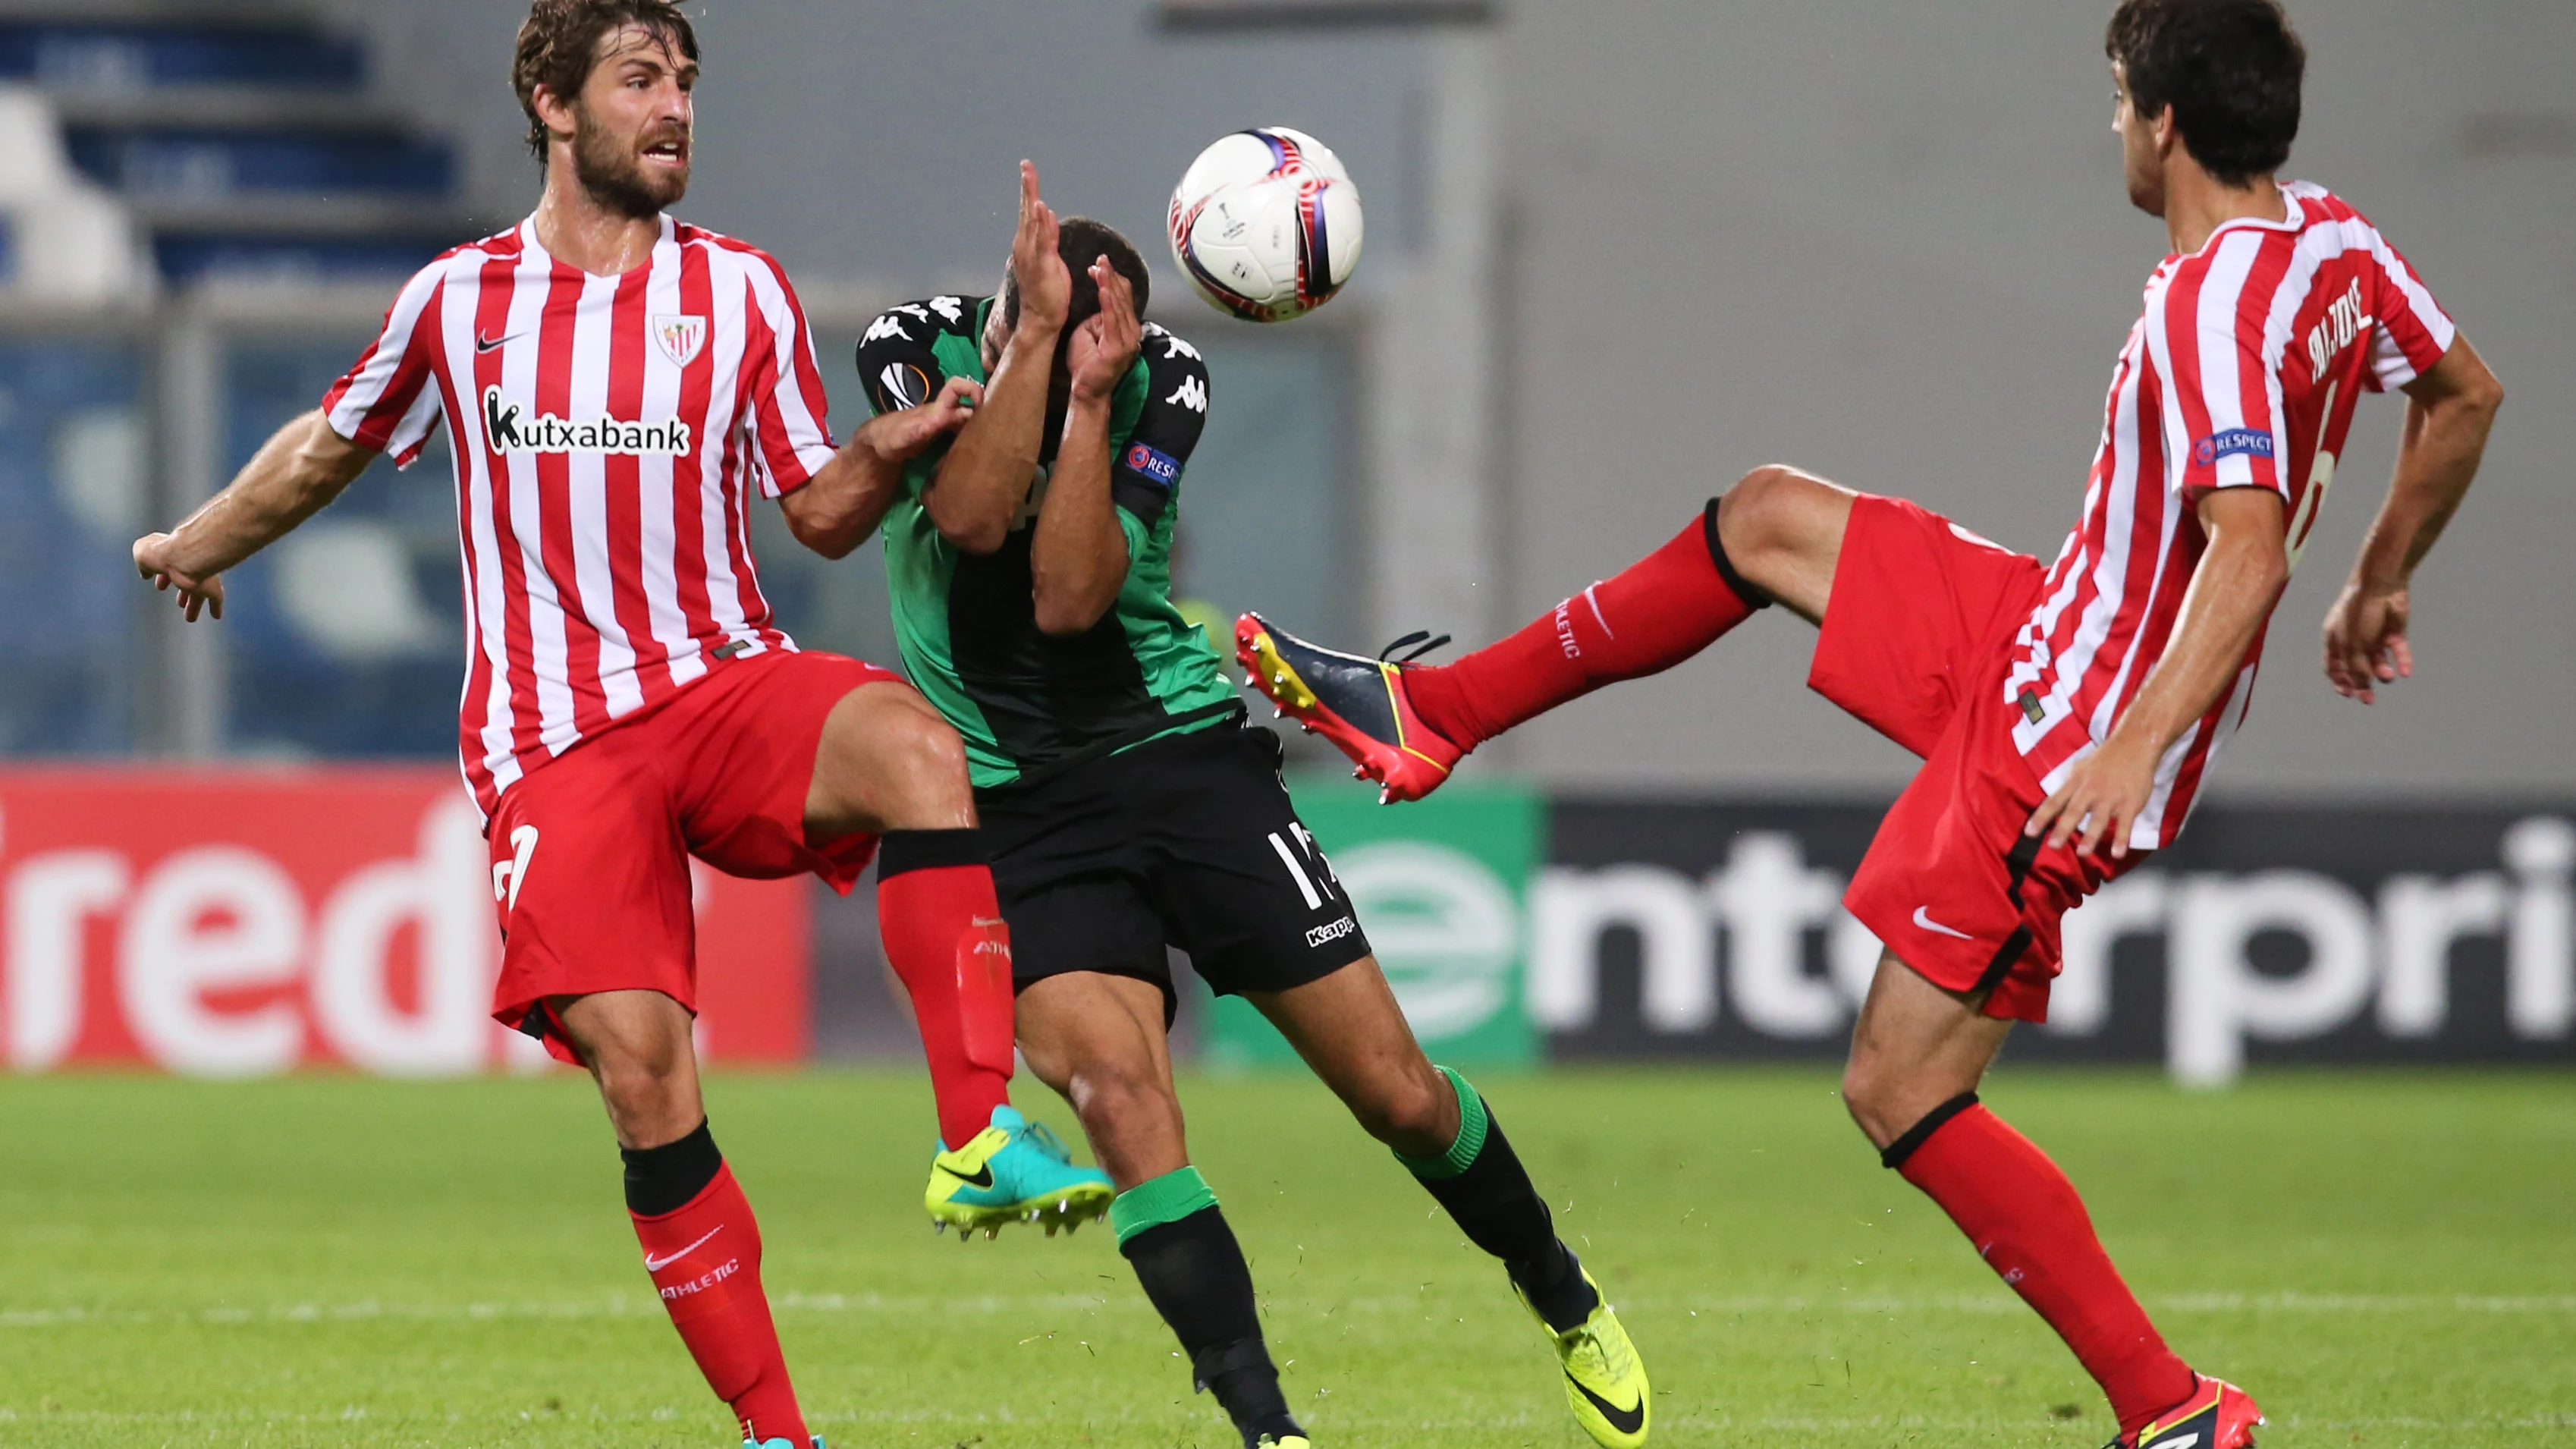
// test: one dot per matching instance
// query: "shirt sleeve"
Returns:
(790, 417)
(1148, 466)
(388, 401)
(2412, 331)
(2234, 422)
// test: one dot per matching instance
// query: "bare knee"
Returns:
(1764, 513)
(1414, 1112)
(646, 1071)
(1869, 1097)
(924, 748)
(889, 762)
(1108, 1092)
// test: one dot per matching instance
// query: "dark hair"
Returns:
(1081, 241)
(2229, 68)
(560, 43)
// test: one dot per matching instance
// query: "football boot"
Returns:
(1358, 704)
(2218, 1415)
(1014, 1171)
(1605, 1381)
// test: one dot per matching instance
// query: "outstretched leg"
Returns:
(1776, 536)
(1917, 1055)
(1349, 1029)
(1098, 1039)
(701, 1243)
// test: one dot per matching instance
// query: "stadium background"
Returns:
(1618, 253)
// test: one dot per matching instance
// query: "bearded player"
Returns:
(1130, 808)
(2067, 714)
(615, 386)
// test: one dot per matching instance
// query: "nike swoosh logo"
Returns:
(1923, 919)
(982, 1177)
(656, 1265)
(2185, 1442)
(1626, 1421)
(482, 345)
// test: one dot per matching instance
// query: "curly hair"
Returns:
(560, 43)
(2229, 68)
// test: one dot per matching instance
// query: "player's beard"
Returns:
(611, 171)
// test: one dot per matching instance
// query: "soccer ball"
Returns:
(1266, 224)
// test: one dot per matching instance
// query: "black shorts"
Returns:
(1188, 841)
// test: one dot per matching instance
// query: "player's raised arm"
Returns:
(302, 467)
(986, 476)
(849, 496)
(1079, 557)
(2449, 408)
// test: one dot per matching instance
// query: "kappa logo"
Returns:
(887, 325)
(2231, 442)
(953, 309)
(680, 335)
(1191, 394)
(1331, 931)
(507, 430)
(1172, 346)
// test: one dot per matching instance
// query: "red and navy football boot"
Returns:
(1358, 704)
(2218, 1415)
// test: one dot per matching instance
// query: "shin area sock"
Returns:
(702, 1246)
(1659, 611)
(1481, 1182)
(1176, 1238)
(2029, 1225)
(945, 939)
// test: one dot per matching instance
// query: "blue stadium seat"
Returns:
(73, 53)
(243, 143)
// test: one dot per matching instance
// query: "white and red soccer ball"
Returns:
(1266, 224)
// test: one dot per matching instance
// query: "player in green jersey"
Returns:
(1127, 806)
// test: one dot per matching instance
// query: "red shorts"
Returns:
(590, 852)
(1915, 644)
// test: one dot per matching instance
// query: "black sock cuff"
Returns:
(902, 850)
(1206, 1222)
(1921, 1132)
(662, 1179)
(1754, 598)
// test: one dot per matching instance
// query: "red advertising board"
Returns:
(237, 922)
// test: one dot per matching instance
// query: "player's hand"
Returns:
(152, 560)
(903, 433)
(2102, 797)
(1104, 346)
(1045, 286)
(2366, 640)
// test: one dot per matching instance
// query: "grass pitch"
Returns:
(2384, 1260)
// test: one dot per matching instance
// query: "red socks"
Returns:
(944, 936)
(2030, 1227)
(705, 1261)
(1661, 610)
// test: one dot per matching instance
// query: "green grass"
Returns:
(2385, 1260)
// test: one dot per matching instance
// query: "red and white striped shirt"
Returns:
(606, 430)
(2243, 372)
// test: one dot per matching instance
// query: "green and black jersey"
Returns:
(1025, 701)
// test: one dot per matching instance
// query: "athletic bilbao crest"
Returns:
(680, 336)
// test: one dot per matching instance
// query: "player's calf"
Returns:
(701, 1242)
